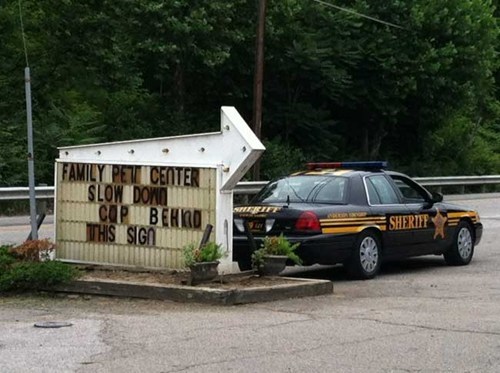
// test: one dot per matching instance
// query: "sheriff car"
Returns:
(358, 214)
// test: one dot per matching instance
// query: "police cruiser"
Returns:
(358, 214)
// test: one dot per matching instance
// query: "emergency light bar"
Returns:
(370, 165)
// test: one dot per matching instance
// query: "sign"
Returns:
(137, 203)
(112, 212)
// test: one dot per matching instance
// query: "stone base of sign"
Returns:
(293, 288)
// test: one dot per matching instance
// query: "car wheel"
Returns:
(462, 248)
(366, 257)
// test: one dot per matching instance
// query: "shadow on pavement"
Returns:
(337, 273)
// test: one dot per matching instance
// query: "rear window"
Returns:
(304, 188)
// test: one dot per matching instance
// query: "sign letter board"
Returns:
(131, 214)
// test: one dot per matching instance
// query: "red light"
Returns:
(322, 165)
(368, 165)
(308, 221)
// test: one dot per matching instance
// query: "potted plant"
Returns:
(270, 259)
(203, 261)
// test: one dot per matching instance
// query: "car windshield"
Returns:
(304, 188)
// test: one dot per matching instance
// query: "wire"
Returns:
(359, 14)
(22, 33)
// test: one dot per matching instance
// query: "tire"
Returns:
(462, 249)
(366, 258)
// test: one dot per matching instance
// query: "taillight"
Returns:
(308, 221)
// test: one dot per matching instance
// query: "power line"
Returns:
(22, 32)
(359, 14)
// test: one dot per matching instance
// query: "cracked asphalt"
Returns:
(417, 316)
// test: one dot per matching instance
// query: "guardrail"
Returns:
(15, 193)
(246, 188)
(458, 180)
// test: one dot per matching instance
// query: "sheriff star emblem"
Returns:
(439, 220)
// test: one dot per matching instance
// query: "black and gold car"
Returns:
(358, 214)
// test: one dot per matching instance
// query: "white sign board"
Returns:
(139, 202)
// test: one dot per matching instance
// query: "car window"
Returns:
(372, 193)
(380, 191)
(411, 192)
(304, 188)
(332, 190)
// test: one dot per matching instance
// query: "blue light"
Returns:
(366, 165)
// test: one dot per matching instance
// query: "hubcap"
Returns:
(368, 254)
(464, 243)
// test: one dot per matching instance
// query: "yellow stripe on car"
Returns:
(352, 229)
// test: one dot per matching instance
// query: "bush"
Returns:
(30, 273)
(280, 159)
(6, 259)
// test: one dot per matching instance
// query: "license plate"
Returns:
(256, 225)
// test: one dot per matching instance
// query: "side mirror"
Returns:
(437, 197)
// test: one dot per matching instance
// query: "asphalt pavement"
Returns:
(419, 315)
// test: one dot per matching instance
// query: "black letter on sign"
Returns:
(112, 231)
(131, 235)
(91, 194)
(153, 216)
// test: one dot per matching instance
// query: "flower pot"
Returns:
(203, 272)
(272, 265)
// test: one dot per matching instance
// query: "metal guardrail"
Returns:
(246, 188)
(249, 187)
(16, 193)
(458, 180)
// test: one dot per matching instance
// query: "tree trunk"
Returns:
(180, 88)
(372, 141)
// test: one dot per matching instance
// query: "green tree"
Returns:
(336, 85)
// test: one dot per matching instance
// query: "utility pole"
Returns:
(31, 156)
(29, 122)
(258, 79)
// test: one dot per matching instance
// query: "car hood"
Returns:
(456, 207)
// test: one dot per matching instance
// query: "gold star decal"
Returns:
(439, 221)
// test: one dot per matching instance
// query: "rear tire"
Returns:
(366, 257)
(462, 249)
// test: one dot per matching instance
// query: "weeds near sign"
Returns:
(33, 250)
(27, 267)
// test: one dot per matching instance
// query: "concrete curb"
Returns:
(179, 293)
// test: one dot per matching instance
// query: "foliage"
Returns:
(336, 86)
(36, 275)
(280, 159)
(28, 272)
(209, 252)
(33, 250)
(275, 245)
(6, 258)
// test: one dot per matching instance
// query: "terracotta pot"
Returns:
(273, 265)
(203, 272)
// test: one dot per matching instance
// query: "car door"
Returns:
(429, 218)
(384, 200)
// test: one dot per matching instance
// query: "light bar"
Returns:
(369, 165)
